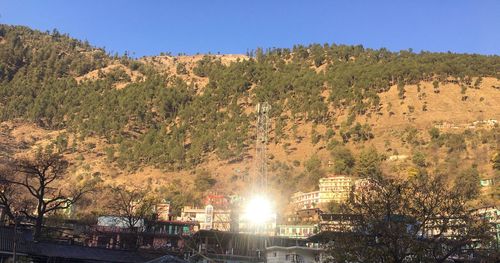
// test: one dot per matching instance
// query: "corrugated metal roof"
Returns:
(167, 259)
(26, 246)
(86, 253)
(7, 239)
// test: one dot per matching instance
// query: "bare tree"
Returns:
(131, 206)
(8, 203)
(420, 219)
(32, 188)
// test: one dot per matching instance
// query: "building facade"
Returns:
(247, 226)
(335, 188)
(163, 211)
(306, 200)
(208, 217)
(305, 216)
(297, 231)
(338, 222)
(331, 189)
(296, 254)
(233, 247)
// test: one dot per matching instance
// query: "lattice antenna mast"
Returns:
(262, 110)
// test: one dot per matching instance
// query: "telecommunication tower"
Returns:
(262, 110)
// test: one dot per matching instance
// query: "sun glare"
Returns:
(258, 210)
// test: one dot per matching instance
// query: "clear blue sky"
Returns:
(232, 26)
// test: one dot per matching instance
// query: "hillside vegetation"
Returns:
(333, 107)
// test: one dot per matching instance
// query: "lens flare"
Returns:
(258, 210)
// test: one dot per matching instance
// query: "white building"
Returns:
(208, 217)
(266, 227)
(118, 221)
(331, 189)
(295, 254)
(306, 200)
(296, 231)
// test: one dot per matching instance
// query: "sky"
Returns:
(148, 27)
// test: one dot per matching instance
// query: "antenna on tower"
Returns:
(262, 110)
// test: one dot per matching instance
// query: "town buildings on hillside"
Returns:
(218, 231)
(208, 217)
(331, 189)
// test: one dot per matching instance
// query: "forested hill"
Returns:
(179, 112)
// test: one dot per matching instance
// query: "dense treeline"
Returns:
(33, 54)
(162, 120)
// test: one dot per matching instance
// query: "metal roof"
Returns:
(30, 248)
(7, 239)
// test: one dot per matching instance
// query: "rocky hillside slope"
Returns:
(170, 121)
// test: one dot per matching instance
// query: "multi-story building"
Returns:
(303, 254)
(492, 215)
(308, 215)
(232, 247)
(235, 220)
(297, 231)
(114, 233)
(334, 188)
(208, 217)
(254, 223)
(163, 211)
(331, 189)
(306, 200)
(338, 222)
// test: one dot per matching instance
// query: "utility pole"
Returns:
(262, 110)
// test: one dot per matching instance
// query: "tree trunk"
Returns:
(38, 227)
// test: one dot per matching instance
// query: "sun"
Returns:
(258, 210)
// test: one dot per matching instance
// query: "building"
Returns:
(297, 231)
(163, 211)
(334, 189)
(208, 217)
(309, 215)
(362, 186)
(28, 250)
(277, 254)
(231, 247)
(306, 200)
(217, 201)
(119, 222)
(67, 210)
(248, 226)
(337, 222)
(486, 182)
(302, 224)
(492, 214)
(169, 235)
(113, 234)
(331, 189)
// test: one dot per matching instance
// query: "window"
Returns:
(294, 258)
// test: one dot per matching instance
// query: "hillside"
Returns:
(170, 121)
